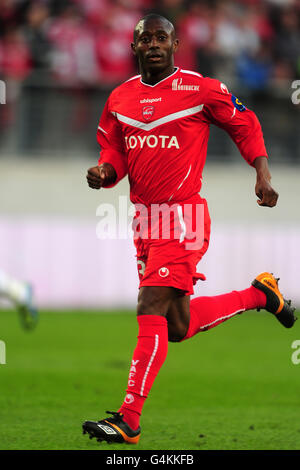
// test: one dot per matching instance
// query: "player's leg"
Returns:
(187, 318)
(12, 289)
(20, 293)
(151, 349)
(148, 357)
(178, 318)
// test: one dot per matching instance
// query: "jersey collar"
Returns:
(158, 83)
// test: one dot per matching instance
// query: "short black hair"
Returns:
(149, 17)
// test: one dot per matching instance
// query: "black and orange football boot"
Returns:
(112, 429)
(276, 304)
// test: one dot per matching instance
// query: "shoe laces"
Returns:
(116, 416)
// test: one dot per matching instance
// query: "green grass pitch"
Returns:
(233, 387)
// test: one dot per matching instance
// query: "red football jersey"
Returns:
(158, 134)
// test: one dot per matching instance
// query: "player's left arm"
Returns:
(226, 111)
(267, 196)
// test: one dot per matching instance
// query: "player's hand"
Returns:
(95, 177)
(267, 195)
(100, 176)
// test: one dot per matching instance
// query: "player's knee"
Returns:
(174, 339)
(176, 333)
(146, 307)
(153, 301)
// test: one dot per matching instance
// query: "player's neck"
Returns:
(151, 78)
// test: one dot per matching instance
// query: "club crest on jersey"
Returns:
(237, 103)
(148, 112)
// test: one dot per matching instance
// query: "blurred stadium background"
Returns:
(59, 60)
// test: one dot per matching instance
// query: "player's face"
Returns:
(155, 45)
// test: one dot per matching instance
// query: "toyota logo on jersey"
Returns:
(148, 112)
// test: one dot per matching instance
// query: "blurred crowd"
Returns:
(60, 58)
(84, 43)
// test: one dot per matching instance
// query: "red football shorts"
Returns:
(170, 240)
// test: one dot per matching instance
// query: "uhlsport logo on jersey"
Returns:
(150, 100)
(148, 112)
(178, 86)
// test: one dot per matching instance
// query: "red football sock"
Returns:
(148, 357)
(208, 312)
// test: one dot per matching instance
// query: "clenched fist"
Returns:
(267, 195)
(101, 176)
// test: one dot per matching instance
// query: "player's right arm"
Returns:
(112, 164)
(103, 175)
(243, 126)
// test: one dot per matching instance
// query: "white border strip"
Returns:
(186, 176)
(149, 364)
(151, 125)
(222, 318)
(132, 78)
(182, 224)
(100, 129)
(190, 72)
